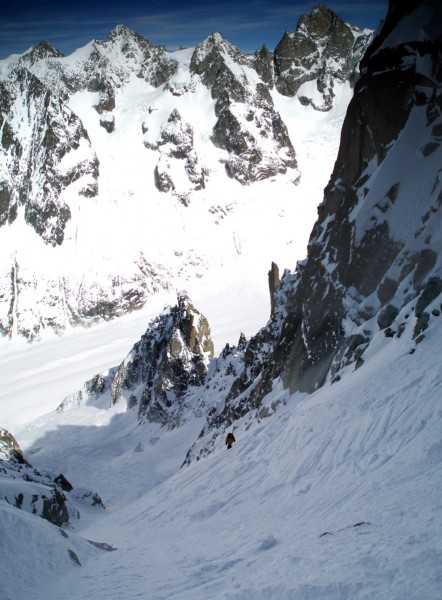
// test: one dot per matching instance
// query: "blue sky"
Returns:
(248, 24)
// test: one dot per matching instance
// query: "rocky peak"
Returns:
(123, 41)
(125, 52)
(324, 24)
(263, 64)
(43, 50)
(125, 34)
(248, 128)
(171, 357)
(109, 63)
(213, 46)
(212, 61)
(321, 49)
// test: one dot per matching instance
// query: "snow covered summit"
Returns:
(101, 150)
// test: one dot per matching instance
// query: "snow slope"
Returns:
(337, 496)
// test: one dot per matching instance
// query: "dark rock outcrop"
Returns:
(274, 280)
(39, 492)
(107, 121)
(171, 357)
(323, 49)
(177, 153)
(36, 176)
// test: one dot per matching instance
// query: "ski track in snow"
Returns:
(336, 496)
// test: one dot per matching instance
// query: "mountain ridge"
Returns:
(75, 160)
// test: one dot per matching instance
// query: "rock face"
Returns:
(51, 151)
(65, 126)
(177, 153)
(171, 357)
(374, 256)
(40, 492)
(248, 127)
(361, 259)
(323, 50)
(59, 158)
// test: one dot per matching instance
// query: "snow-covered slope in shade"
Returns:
(337, 495)
(49, 551)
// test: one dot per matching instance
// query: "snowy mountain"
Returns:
(104, 150)
(333, 486)
(374, 255)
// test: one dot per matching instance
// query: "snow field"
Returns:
(336, 496)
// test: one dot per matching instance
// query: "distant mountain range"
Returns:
(102, 152)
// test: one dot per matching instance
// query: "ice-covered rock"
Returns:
(321, 52)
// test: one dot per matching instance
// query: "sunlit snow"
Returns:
(336, 496)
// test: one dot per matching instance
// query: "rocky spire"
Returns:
(323, 49)
(170, 357)
(273, 283)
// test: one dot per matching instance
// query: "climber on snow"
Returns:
(229, 440)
